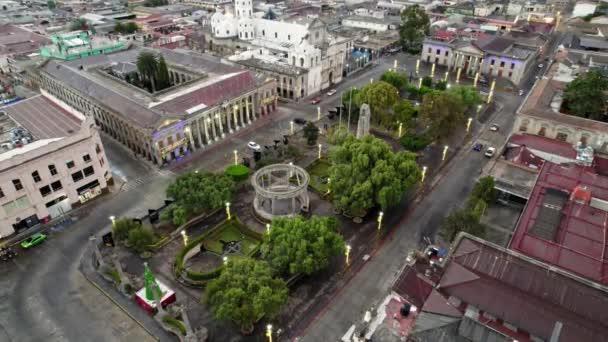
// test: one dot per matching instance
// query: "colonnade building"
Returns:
(206, 99)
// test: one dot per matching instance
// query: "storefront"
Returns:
(89, 191)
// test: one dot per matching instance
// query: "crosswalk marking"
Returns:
(135, 183)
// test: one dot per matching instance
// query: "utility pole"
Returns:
(350, 102)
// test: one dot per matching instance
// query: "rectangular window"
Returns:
(101, 161)
(52, 169)
(88, 171)
(36, 176)
(512, 66)
(97, 148)
(19, 203)
(561, 136)
(76, 176)
(17, 184)
(438, 52)
(502, 64)
(45, 190)
(1, 193)
(86, 158)
(69, 164)
(56, 185)
(447, 53)
(430, 50)
(492, 62)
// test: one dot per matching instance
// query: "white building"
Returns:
(583, 8)
(51, 160)
(369, 23)
(298, 53)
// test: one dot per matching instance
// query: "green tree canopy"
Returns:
(296, 245)
(380, 96)
(140, 238)
(122, 226)
(484, 189)
(395, 79)
(469, 96)
(352, 103)
(586, 95)
(162, 74)
(311, 133)
(147, 66)
(245, 291)
(461, 220)
(443, 113)
(415, 24)
(195, 193)
(366, 173)
(119, 27)
(51, 4)
(131, 27)
(79, 24)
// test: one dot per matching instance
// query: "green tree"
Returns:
(461, 220)
(296, 245)
(244, 292)
(441, 85)
(427, 81)
(405, 112)
(415, 24)
(350, 99)
(380, 96)
(586, 95)
(469, 96)
(395, 79)
(141, 238)
(311, 133)
(51, 4)
(131, 27)
(79, 24)
(162, 74)
(119, 28)
(443, 113)
(366, 173)
(147, 66)
(122, 227)
(485, 189)
(196, 193)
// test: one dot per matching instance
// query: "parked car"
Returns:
(33, 240)
(332, 92)
(254, 146)
(300, 121)
(541, 65)
(478, 147)
(494, 128)
(490, 152)
(315, 100)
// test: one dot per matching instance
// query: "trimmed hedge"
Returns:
(176, 323)
(237, 172)
(415, 143)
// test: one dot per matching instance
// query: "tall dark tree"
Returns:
(162, 74)
(79, 24)
(443, 113)
(51, 4)
(395, 79)
(311, 132)
(415, 25)
(586, 95)
(147, 65)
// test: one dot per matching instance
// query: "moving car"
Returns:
(478, 147)
(33, 240)
(315, 100)
(490, 152)
(300, 121)
(494, 128)
(254, 146)
(332, 92)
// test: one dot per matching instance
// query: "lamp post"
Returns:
(458, 75)
(476, 79)
(445, 152)
(371, 80)
(228, 210)
(433, 70)
(400, 129)
(417, 66)
(225, 259)
(469, 120)
(328, 188)
(491, 91)
(395, 65)
(448, 86)
(185, 237)
(267, 228)
(269, 332)
(320, 149)
(380, 216)
(319, 113)
(291, 126)
(347, 254)
(112, 219)
(445, 77)
(236, 157)
(424, 168)
(420, 83)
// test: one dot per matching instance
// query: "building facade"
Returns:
(51, 161)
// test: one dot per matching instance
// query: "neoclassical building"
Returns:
(207, 101)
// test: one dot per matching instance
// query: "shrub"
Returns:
(237, 172)
(414, 143)
(122, 227)
(179, 325)
(141, 238)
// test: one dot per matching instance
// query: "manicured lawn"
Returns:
(319, 172)
(229, 231)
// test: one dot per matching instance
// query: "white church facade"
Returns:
(299, 53)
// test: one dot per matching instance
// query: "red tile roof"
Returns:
(551, 146)
(212, 94)
(412, 287)
(580, 243)
(524, 292)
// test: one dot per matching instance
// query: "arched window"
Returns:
(264, 33)
(301, 62)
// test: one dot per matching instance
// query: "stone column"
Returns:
(247, 111)
(190, 138)
(293, 205)
(240, 104)
(229, 126)
(198, 132)
(221, 126)
(206, 122)
(213, 123)
(234, 116)
(273, 201)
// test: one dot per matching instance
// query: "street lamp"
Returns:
(420, 83)
(320, 149)
(424, 168)
(395, 65)
(318, 113)
(371, 80)
(112, 219)
(445, 152)
(380, 216)
(195, 171)
(469, 120)
(445, 77)
(228, 210)
(328, 188)
(185, 237)
(479, 108)
(400, 129)
(417, 66)
(448, 86)
(236, 157)
(225, 259)
(269, 332)
(347, 254)
(290, 169)
(267, 228)
(291, 126)
(433, 70)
